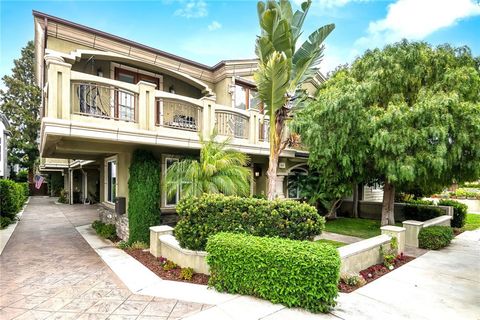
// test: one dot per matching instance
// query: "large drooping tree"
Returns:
(20, 102)
(219, 170)
(407, 115)
(283, 69)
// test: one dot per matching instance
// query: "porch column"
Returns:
(58, 87)
(279, 187)
(253, 123)
(208, 116)
(146, 105)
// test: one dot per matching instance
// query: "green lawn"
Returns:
(472, 221)
(362, 228)
(336, 244)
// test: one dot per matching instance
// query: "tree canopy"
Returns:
(407, 115)
(20, 103)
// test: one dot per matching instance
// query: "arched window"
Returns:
(294, 178)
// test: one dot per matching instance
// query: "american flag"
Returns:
(38, 181)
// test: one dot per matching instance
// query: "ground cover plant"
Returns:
(355, 227)
(107, 231)
(336, 244)
(165, 268)
(212, 213)
(472, 222)
(293, 273)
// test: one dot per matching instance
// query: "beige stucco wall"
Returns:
(63, 45)
(221, 90)
(181, 87)
(92, 67)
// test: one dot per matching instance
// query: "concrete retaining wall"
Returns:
(164, 244)
(363, 254)
(373, 210)
(413, 228)
(355, 257)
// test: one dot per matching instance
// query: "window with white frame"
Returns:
(111, 180)
(294, 185)
(172, 200)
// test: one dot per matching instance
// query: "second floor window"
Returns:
(245, 98)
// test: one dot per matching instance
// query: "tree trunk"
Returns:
(355, 201)
(276, 147)
(272, 176)
(388, 216)
(332, 215)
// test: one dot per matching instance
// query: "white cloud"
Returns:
(326, 4)
(416, 19)
(215, 25)
(192, 9)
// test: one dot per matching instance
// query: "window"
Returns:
(171, 201)
(111, 180)
(245, 98)
(294, 186)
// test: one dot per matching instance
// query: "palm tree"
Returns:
(219, 170)
(283, 69)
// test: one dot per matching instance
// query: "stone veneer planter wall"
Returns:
(355, 257)
(108, 215)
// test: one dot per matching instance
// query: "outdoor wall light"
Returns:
(171, 89)
(99, 72)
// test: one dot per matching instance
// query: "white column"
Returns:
(279, 187)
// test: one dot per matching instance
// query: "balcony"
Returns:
(96, 111)
(107, 102)
(179, 114)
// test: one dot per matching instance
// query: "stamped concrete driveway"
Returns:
(48, 271)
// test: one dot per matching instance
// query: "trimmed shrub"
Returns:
(11, 198)
(294, 273)
(26, 189)
(421, 212)
(5, 222)
(459, 212)
(212, 213)
(420, 201)
(143, 196)
(435, 237)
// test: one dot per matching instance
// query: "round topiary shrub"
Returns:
(435, 237)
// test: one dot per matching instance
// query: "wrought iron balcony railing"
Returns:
(232, 124)
(178, 114)
(104, 101)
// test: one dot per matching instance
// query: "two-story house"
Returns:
(105, 96)
(4, 134)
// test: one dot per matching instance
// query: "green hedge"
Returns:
(12, 197)
(459, 212)
(294, 273)
(421, 212)
(212, 213)
(435, 237)
(143, 196)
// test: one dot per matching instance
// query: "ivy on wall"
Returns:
(143, 195)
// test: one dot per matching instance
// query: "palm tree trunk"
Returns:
(276, 147)
(388, 206)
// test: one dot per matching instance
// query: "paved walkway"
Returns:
(48, 271)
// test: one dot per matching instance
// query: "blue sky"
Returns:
(210, 31)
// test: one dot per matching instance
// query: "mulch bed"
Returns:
(154, 264)
(374, 272)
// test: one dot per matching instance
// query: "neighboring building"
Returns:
(106, 96)
(4, 134)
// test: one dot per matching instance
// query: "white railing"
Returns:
(179, 114)
(232, 124)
